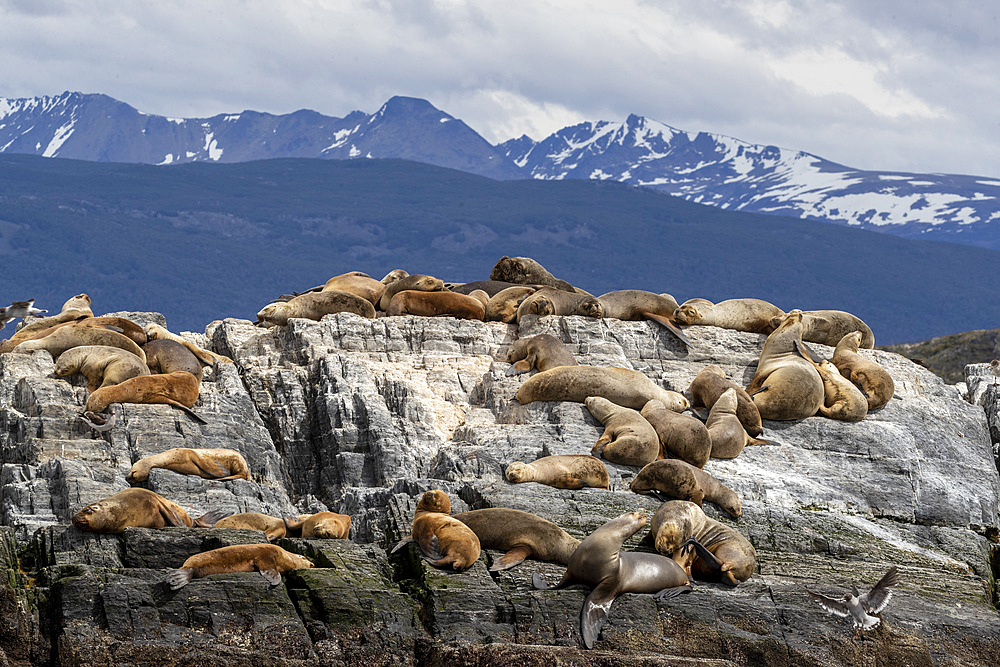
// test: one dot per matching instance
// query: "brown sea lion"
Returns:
(753, 315)
(314, 305)
(680, 435)
(624, 386)
(417, 282)
(65, 338)
(502, 306)
(207, 357)
(103, 366)
(167, 356)
(179, 389)
(553, 301)
(634, 305)
(709, 384)
(271, 526)
(268, 559)
(322, 525)
(562, 471)
(724, 428)
(442, 539)
(720, 554)
(543, 352)
(436, 304)
(520, 534)
(218, 464)
(491, 287)
(120, 325)
(526, 271)
(600, 563)
(670, 479)
(628, 438)
(828, 327)
(795, 389)
(872, 379)
(393, 276)
(842, 399)
(358, 284)
(76, 308)
(138, 508)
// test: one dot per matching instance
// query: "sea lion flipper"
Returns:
(172, 518)
(538, 582)
(511, 558)
(189, 411)
(209, 519)
(432, 551)
(273, 576)
(399, 545)
(665, 321)
(807, 353)
(701, 413)
(178, 578)
(219, 470)
(518, 368)
(668, 593)
(706, 556)
(595, 611)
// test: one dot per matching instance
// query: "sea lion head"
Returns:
(687, 314)
(627, 524)
(435, 500)
(852, 341)
(97, 517)
(591, 308)
(786, 321)
(518, 472)
(331, 526)
(424, 283)
(296, 562)
(393, 276)
(541, 306)
(270, 311)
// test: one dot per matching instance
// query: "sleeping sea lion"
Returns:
(753, 315)
(680, 435)
(628, 438)
(102, 365)
(268, 559)
(138, 508)
(675, 479)
(520, 534)
(562, 471)
(624, 386)
(872, 379)
(218, 464)
(543, 352)
(314, 305)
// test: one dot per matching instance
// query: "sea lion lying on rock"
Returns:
(218, 464)
(673, 479)
(543, 352)
(553, 301)
(102, 365)
(314, 305)
(443, 540)
(321, 525)
(753, 315)
(179, 389)
(562, 471)
(268, 559)
(520, 534)
(628, 438)
(872, 379)
(138, 508)
(624, 386)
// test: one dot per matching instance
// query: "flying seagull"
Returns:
(18, 309)
(860, 607)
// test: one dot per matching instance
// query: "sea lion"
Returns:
(635, 305)
(271, 526)
(218, 464)
(321, 525)
(725, 430)
(418, 282)
(680, 435)
(520, 534)
(138, 508)
(676, 479)
(720, 554)
(102, 365)
(65, 338)
(599, 562)
(709, 384)
(207, 357)
(795, 389)
(76, 308)
(526, 271)
(543, 352)
(842, 399)
(314, 305)
(358, 284)
(628, 438)
(562, 471)
(624, 386)
(502, 306)
(393, 276)
(436, 304)
(127, 328)
(753, 315)
(828, 327)
(268, 559)
(442, 539)
(553, 301)
(166, 356)
(872, 379)
(179, 389)
(491, 287)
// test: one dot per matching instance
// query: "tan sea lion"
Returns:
(725, 430)
(481, 296)
(218, 464)
(872, 379)
(795, 389)
(268, 559)
(271, 526)
(600, 563)
(628, 438)
(393, 276)
(502, 306)
(120, 325)
(828, 327)
(709, 384)
(442, 539)
(103, 366)
(76, 308)
(562, 471)
(358, 284)
(179, 389)
(720, 553)
(138, 508)
(543, 352)
(167, 356)
(670, 479)
(635, 305)
(553, 301)
(624, 386)
(207, 357)
(417, 282)
(65, 338)
(753, 315)
(521, 534)
(681, 435)
(436, 304)
(526, 271)
(314, 305)
(322, 525)
(842, 399)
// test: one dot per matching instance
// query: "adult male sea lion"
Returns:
(218, 464)
(634, 305)
(271, 526)
(681, 435)
(753, 315)
(442, 539)
(314, 305)
(624, 386)
(543, 352)
(628, 438)
(526, 271)
(138, 508)
(600, 563)
(709, 384)
(521, 534)
(828, 327)
(871, 378)
(65, 338)
(562, 471)
(502, 306)
(418, 282)
(167, 356)
(795, 389)
(553, 301)
(179, 389)
(676, 479)
(321, 525)
(436, 304)
(842, 399)
(268, 559)
(724, 428)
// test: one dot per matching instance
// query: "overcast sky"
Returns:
(907, 85)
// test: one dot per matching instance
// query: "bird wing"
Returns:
(878, 597)
(830, 604)
(22, 304)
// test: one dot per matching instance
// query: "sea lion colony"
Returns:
(644, 424)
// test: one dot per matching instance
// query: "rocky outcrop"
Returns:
(362, 416)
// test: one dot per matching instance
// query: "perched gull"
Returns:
(860, 607)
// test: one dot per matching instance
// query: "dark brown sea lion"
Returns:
(526, 271)
(675, 479)
(795, 389)
(521, 534)
(543, 352)
(218, 464)
(562, 471)
(138, 508)
(167, 356)
(872, 379)
(443, 540)
(103, 366)
(268, 559)
(624, 386)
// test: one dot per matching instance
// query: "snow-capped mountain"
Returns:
(98, 128)
(729, 173)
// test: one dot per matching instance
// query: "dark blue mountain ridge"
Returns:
(205, 241)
